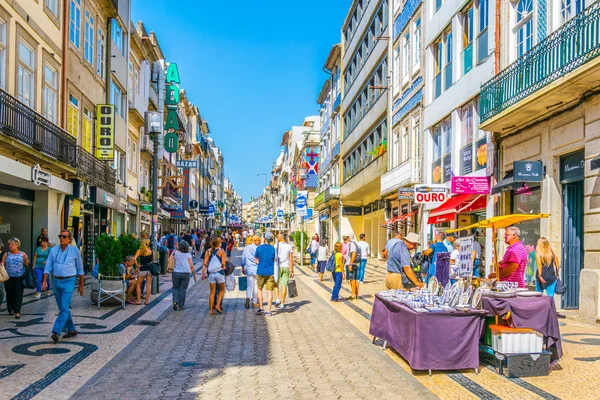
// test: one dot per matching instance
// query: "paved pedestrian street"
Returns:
(315, 349)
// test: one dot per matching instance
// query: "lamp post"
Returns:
(302, 172)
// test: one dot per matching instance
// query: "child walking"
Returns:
(338, 274)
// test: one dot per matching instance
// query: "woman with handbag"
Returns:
(548, 267)
(15, 262)
(213, 268)
(144, 273)
(183, 265)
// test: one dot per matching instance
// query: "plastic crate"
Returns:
(523, 365)
(507, 340)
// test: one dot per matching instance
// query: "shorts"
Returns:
(352, 275)
(262, 280)
(321, 266)
(144, 274)
(216, 277)
(394, 281)
(284, 276)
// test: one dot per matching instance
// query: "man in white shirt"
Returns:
(453, 261)
(284, 258)
(365, 250)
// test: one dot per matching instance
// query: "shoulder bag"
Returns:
(171, 263)
(560, 288)
(29, 278)
(3, 273)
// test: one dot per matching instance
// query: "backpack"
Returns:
(358, 257)
(171, 242)
(330, 266)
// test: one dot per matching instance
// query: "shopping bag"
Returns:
(170, 264)
(292, 289)
(230, 283)
(242, 283)
(29, 279)
(3, 274)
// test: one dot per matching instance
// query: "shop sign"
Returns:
(430, 194)
(39, 176)
(280, 214)
(368, 209)
(324, 217)
(481, 154)
(309, 214)
(171, 143)
(406, 193)
(334, 190)
(465, 257)
(349, 211)
(193, 204)
(528, 171)
(131, 208)
(466, 159)
(572, 167)
(103, 198)
(186, 164)
(146, 207)
(122, 208)
(447, 167)
(301, 203)
(105, 132)
(470, 185)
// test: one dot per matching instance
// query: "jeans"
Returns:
(361, 270)
(181, 280)
(549, 290)
(39, 274)
(251, 288)
(63, 292)
(337, 279)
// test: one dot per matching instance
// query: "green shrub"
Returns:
(109, 253)
(129, 245)
(296, 238)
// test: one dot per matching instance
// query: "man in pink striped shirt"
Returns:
(512, 266)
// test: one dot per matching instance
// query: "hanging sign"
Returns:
(406, 193)
(186, 164)
(105, 132)
(465, 257)
(280, 214)
(470, 185)
(171, 142)
(430, 194)
(528, 171)
(39, 176)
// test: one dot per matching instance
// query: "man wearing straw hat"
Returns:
(400, 274)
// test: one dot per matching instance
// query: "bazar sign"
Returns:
(430, 194)
(105, 132)
(470, 185)
(186, 163)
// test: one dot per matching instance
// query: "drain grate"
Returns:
(147, 322)
(189, 363)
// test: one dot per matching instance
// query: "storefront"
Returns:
(105, 205)
(146, 218)
(132, 212)
(373, 225)
(324, 226)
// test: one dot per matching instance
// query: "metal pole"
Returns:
(302, 242)
(155, 139)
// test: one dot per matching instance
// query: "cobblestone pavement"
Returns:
(306, 352)
(575, 378)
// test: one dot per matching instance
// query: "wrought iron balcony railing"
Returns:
(28, 127)
(569, 47)
(95, 172)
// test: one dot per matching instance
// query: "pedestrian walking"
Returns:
(15, 261)
(353, 260)
(285, 261)
(143, 259)
(548, 267)
(321, 259)
(249, 268)
(39, 261)
(171, 241)
(43, 234)
(181, 275)
(365, 251)
(63, 265)
(400, 274)
(213, 268)
(345, 244)
(2, 291)
(230, 244)
(265, 257)
(313, 248)
(338, 274)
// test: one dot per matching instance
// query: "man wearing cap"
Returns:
(400, 274)
(265, 258)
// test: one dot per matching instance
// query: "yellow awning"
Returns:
(503, 221)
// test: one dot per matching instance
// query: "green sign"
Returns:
(171, 142)
(172, 95)
(146, 207)
(172, 120)
(172, 74)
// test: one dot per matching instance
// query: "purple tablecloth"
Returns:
(436, 341)
(537, 313)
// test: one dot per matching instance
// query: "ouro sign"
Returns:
(430, 194)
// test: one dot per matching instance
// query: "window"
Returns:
(118, 99)
(88, 45)
(117, 36)
(416, 139)
(468, 26)
(75, 22)
(3, 27)
(119, 164)
(86, 134)
(524, 27)
(26, 74)
(405, 145)
(437, 57)
(484, 8)
(134, 77)
(52, 5)
(406, 57)
(396, 148)
(441, 167)
(73, 116)
(467, 125)
(417, 44)
(50, 93)
(570, 8)
(101, 53)
(397, 67)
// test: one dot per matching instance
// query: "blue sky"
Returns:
(254, 69)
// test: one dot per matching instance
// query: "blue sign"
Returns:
(301, 202)
(280, 213)
(211, 209)
(309, 214)
(270, 216)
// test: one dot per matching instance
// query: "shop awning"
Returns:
(462, 203)
(399, 218)
(595, 163)
(507, 183)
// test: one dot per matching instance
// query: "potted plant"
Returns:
(129, 245)
(109, 254)
(143, 189)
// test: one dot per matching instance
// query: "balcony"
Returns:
(95, 172)
(147, 144)
(110, 7)
(406, 174)
(31, 129)
(559, 70)
(332, 193)
(335, 150)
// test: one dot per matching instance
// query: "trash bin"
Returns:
(163, 255)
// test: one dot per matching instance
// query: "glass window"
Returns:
(417, 43)
(73, 116)
(405, 154)
(75, 22)
(406, 57)
(52, 5)
(437, 57)
(468, 26)
(467, 125)
(484, 8)
(117, 99)
(86, 134)
(26, 74)
(416, 137)
(50, 93)
(2, 54)
(437, 142)
(101, 53)
(447, 136)
(397, 66)
(570, 8)
(448, 47)
(396, 148)
(524, 27)
(117, 36)
(88, 45)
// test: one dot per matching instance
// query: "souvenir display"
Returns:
(433, 285)
(529, 294)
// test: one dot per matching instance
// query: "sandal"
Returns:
(137, 303)
(218, 310)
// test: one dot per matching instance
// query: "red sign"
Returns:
(470, 185)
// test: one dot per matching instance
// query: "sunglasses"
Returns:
(63, 236)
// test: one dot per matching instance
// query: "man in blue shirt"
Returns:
(265, 258)
(64, 264)
(438, 247)
(249, 268)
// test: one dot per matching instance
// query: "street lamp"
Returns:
(265, 174)
(302, 173)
